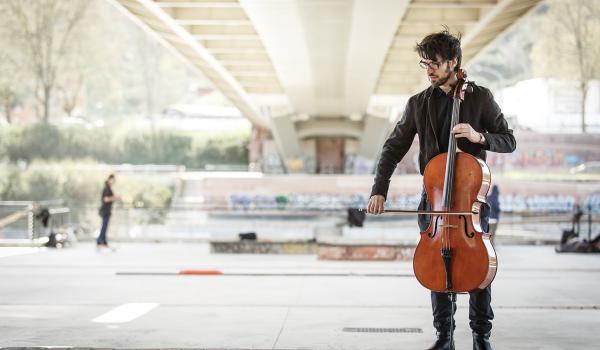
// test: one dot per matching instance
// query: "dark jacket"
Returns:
(105, 207)
(478, 109)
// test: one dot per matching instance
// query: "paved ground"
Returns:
(75, 297)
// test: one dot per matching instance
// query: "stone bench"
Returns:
(357, 249)
(263, 247)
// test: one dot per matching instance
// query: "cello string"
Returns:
(455, 119)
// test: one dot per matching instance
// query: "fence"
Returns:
(33, 220)
(302, 216)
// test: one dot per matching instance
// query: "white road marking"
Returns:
(14, 251)
(125, 313)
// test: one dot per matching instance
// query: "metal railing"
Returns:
(202, 223)
(31, 220)
(22, 220)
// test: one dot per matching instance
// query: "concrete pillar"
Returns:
(255, 148)
(286, 138)
(374, 134)
(330, 155)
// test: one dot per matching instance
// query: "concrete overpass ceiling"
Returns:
(327, 53)
(329, 127)
(219, 39)
(223, 28)
(327, 33)
(319, 68)
(322, 58)
(479, 21)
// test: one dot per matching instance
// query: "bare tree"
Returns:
(12, 76)
(9, 99)
(45, 29)
(69, 91)
(149, 54)
(571, 49)
(11, 84)
(577, 17)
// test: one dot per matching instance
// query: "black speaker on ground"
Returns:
(247, 236)
(356, 217)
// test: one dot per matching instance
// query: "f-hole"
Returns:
(470, 235)
(432, 234)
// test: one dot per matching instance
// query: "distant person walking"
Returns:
(107, 200)
(494, 201)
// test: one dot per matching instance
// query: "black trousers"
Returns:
(480, 311)
(102, 236)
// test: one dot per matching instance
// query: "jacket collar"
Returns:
(430, 115)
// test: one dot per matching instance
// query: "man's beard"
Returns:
(441, 82)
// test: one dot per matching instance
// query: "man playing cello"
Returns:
(481, 128)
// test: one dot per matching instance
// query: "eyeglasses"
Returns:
(432, 65)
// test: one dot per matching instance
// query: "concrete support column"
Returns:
(288, 144)
(255, 148)
(375, 132)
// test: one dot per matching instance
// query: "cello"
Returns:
(454, 254)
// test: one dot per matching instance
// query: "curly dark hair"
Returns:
(442, 43)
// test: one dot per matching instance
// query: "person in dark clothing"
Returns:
(107, 199)
(482, 127)
(576, 215)
(494, 202)
(568, 240)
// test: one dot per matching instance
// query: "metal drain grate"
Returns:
(382, 330)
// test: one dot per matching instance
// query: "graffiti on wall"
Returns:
(537, 158)
(512, 202)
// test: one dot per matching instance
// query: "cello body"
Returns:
(454, 254)
(473, 260)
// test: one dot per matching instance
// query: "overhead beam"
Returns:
(232, 37)
(452, 5)
(174, 36)
(279, 24)
(442, 15)
(365, 55)
(226, 58)
(233, 13)
(479, 21)
(220, 22)
(242, 51)
(221, 44)
(192, 4)
(329, 127)
(486, 31)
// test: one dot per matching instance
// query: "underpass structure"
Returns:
(323, 82)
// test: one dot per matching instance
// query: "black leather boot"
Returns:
(442, 342)
(481, 341)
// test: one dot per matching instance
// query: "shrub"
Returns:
(117, 145)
